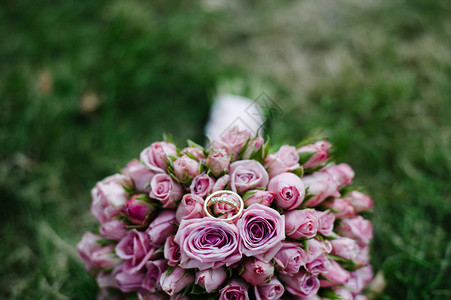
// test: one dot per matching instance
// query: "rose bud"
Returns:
(343, 293)
(186, 168)
(290, 258)
(126, 281)
(235, 290)
(319, 265)
(257, 196)
(301, 284)
(316, 248)
(202, 185)
(114, 229)
(106, 280)
(341, 173)
(359, 279)
(172, 251)
(357, 228)
(284, 160)
(154, 271)
(359, 201)
(335, 276)
(223, 210)
(218, 162)
(221, 183)
(211, 279)
(246, 175)
(198, 153)
(326, 221)
(176, 281)
(232, 141)
(289, 190)
(156, 156)
(105, 257)
(140, 174)
(254, 146)
(256, 271)
(341, 208)
(345, 247)
(139, 210)
(319, 152)
(301, 223)
(164, 189)
(362, 257)
(162, 227)
(321, 185)
(191, 207)
(86, 247)
(269, 291)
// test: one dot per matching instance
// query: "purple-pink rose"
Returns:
(341, 208)
(262, 230)
(326, 221)
(208, 243)
(321, 185)
(335, 276)
(320, 153)
(341, 173)
(171, 251)
(301, 284)
(232, 141)
(269, 291)
(221, 183)
(191, 207)
(235, 290)
(105, 257)
(162, 227)
(156, 156)
(359, 201)
(357, 228)
(164, 189)
(108, 197)
(202, 185)
(211, 279)
(86, 247)
(301, 223)
(114, 229)
(260, 197)
(186, 168)
(290, 258)
(289, 190)
(140, 174)
(139, 210)
(106, 280)
(319, 265)
(316, 248)
(155, 268)
(126, 281)
(284, 160)
(256, 271)
(218, 162)
(345, 247)
(359, 279)
(246, 175)
(175, 281)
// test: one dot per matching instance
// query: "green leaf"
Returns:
(305, 156)
(299, 171)
(316, 137)
(194, 144)
(167, 137)
(248, 194)
(104, 242)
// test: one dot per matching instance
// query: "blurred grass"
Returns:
(85, 86)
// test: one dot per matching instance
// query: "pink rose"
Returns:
(223, 210)
(341, 173)
(232, 141)
(221, 183)
(207, 243)
(140, 174)
(319, 151)
(175, 281)
(301, 284)
(343, 293)
(357, 228)
(261, 197)
(163, 188)
(246, 175)
(171, 251)
(335, 276)
(86, 247)
(157, 155)
(256, 271)
(191, 207)
(341, 208)
(105, 257)
(345, 247)
(359, 201)
(289, 190)
(211, 279)
(218, 162)
(108, 197)
(269, 291)
(359, 279)
(301, 223)
(253, 148)
(106, 280)
(126, 281)
(319, 265)
(198, 153)
(186, 168)
(262, 230)
(290, 258)
(322, 186)
(326, 221)
(235, 290)
(316, 248)
(284, 160)
(114, 229)
(139, 210)
(155, 269)
(362, 257)
(162, 227)
(202, 185)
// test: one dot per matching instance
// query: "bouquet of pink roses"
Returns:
(231, 221)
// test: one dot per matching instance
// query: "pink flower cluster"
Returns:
(301, 234)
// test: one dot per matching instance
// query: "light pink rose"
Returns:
(256, 271)
(269, 291)
(316, 248)
(320, 153)
(221, 183)
(218, 162)
(191, 207)
(108, 197)
(359, 201)
(290, 258)
(301, 223)
(164, 189)
(345, 247)
(105, 257)
(246, 175)
(186, 168)
(162, 227)
(262, 230)
(156, 156)
(341, 208)
(319, 265)
(235, 290)
(232, 141)
(326, 221)
(175, 281)
(284, 160)
(343, 293)
(196, 152)
(114, 229)
(86, 247)
(335, 276)
(211, 279)
(140, 174)
(362, 257)
(359, 279)
(155, 268)
(289, 190)
(139, 210)
(171, 251)
(321, 185)
(357, 228)
(207, 243)
(301, 284)
(202, 185)
(254, 146)
(261, 197)
(341, 173)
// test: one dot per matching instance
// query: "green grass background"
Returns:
(375, 76)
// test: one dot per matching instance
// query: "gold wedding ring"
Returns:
(225, 197)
